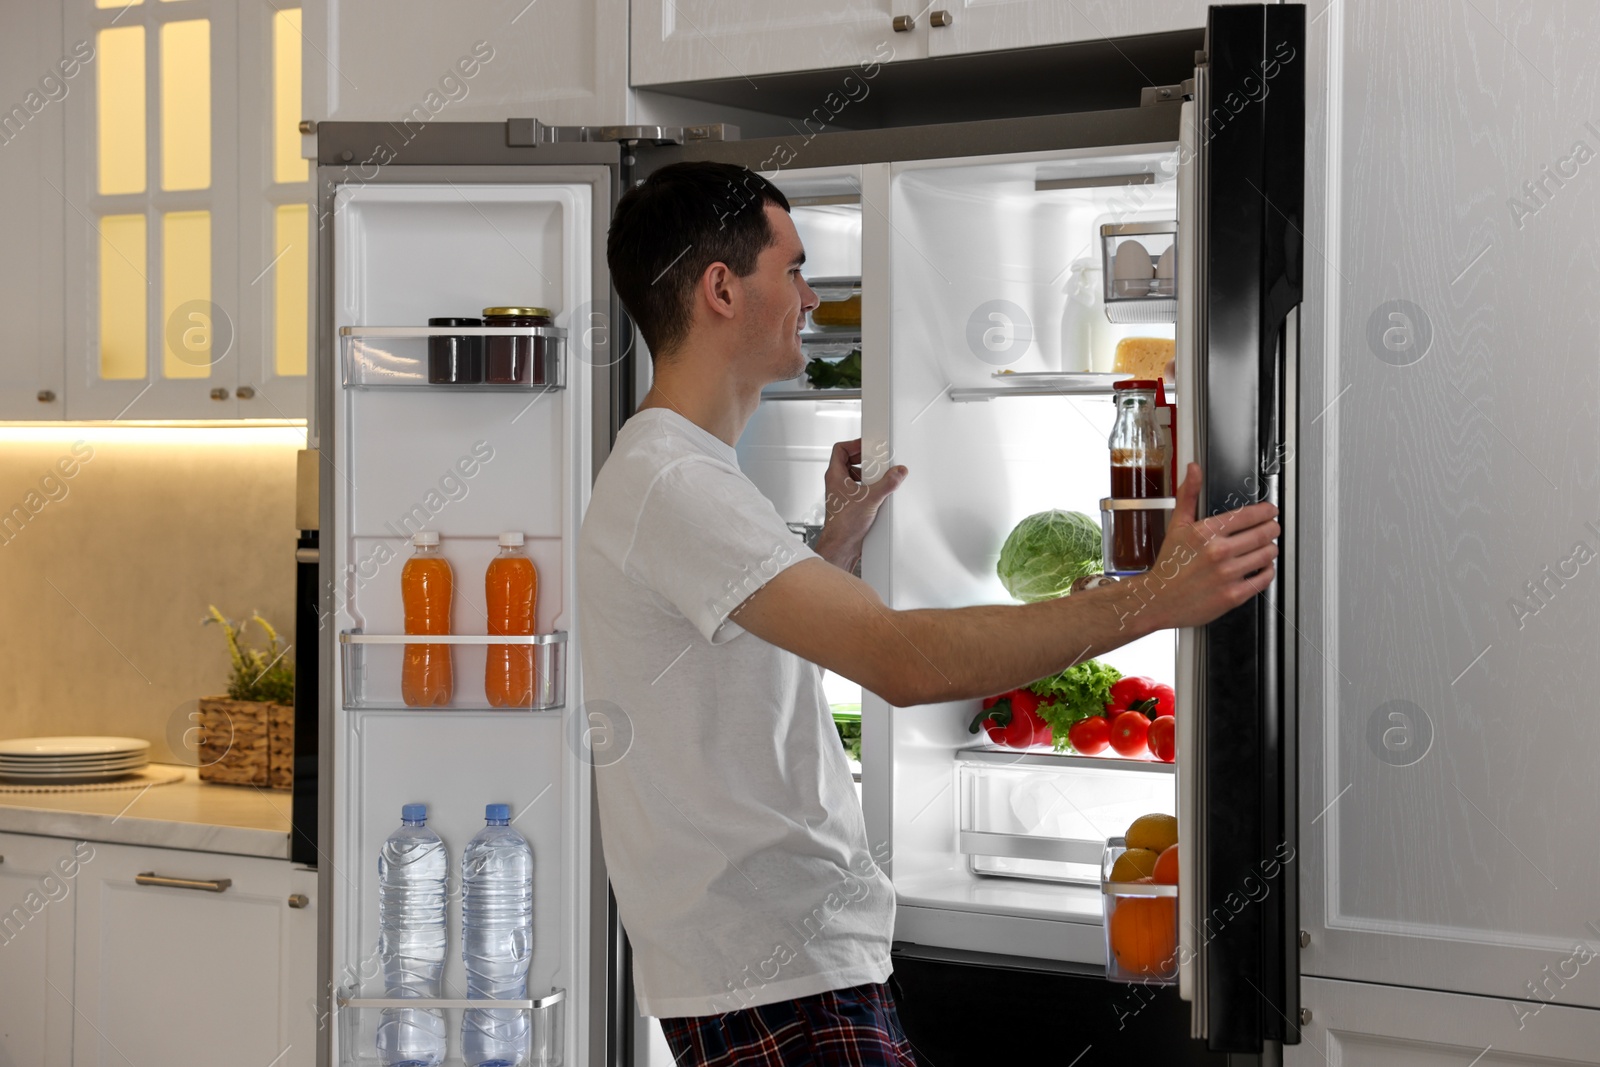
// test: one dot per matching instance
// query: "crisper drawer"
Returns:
(1043, 815)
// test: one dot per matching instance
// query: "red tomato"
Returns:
(1128, 733)
(1090, 736)
(1162, 738)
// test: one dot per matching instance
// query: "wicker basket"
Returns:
(246, 742)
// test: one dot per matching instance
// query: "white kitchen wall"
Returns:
(113, 540)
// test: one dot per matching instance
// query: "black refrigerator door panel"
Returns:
(1251, 126)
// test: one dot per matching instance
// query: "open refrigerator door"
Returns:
(410, 445)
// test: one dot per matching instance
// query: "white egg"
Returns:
(1131, 270)
(1167, 265)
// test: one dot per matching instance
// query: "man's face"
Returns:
(777, 301)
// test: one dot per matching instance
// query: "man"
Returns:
(759, 921)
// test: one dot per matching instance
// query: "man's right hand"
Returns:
(1209, 566)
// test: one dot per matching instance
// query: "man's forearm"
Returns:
(961, 653)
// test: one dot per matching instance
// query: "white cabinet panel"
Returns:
(989, 25)
(692, 40)
(38, 883)
(181, 976)
(1357, 1025)
(1451, 496)
(564, 62)
(34, 85)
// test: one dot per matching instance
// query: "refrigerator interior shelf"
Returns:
(832, 290)
(397, 357)
(347, 1000)
(1014, 757)
(374, 663)
(811, 394)
(1043, 384)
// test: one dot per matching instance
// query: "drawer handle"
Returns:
(941, 18)
(904, 23)
(208, 885)
(299, 900)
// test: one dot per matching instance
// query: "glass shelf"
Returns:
(373, 664)
(1044, 384)
(359, 1032)
(396, 357)
(797, 393)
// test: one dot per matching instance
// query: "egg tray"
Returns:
(1140, 271)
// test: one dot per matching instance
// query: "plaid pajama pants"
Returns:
(855, 1027)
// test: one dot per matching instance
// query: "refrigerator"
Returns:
(960, 240)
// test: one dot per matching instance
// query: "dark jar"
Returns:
(516, 360)
(1138, 472)
(455, 360)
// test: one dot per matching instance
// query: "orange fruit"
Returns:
(1155, 832)
(1133, 864)
(1166, 869)
(1144, 934)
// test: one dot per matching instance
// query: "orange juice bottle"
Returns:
(426, 585)
(511, 589)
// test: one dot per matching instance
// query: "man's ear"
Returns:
(720, 290)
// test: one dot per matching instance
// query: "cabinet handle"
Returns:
(307, 126)
(299, 900)
(219, 394)
(245, 392)
(941, 18)
(904, 23)
(47, 396)
(208, 885)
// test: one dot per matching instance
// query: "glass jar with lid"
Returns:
(1139, 459)
(513, 359)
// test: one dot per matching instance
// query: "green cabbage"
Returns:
(1047, 552)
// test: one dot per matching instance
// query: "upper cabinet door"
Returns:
(152, 288)
(959, 26)
(697, 40)
(564, 62)
(37, 75)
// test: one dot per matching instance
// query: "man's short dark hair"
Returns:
(666, 232)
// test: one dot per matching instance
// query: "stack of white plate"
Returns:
(61, 760)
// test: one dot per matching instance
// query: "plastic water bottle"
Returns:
(411, 939)
(496, 940)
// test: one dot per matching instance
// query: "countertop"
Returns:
(191, 814)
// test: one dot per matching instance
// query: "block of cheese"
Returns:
(1143, 357)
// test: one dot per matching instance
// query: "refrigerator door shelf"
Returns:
(361, 1016)
(372, 678)
(1152, 934)
(1047, 817)
(383, 357)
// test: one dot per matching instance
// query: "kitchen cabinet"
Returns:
(991, 25)
(38, 884)
(1442, 843)
(1357, 1025)
(415, 62)
(33, 91)
(695, 40)
(169, 971)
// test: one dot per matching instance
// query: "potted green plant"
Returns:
(247, 736)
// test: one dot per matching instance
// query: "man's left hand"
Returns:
(853, 501)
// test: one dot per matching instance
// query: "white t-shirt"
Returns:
(731, 828)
